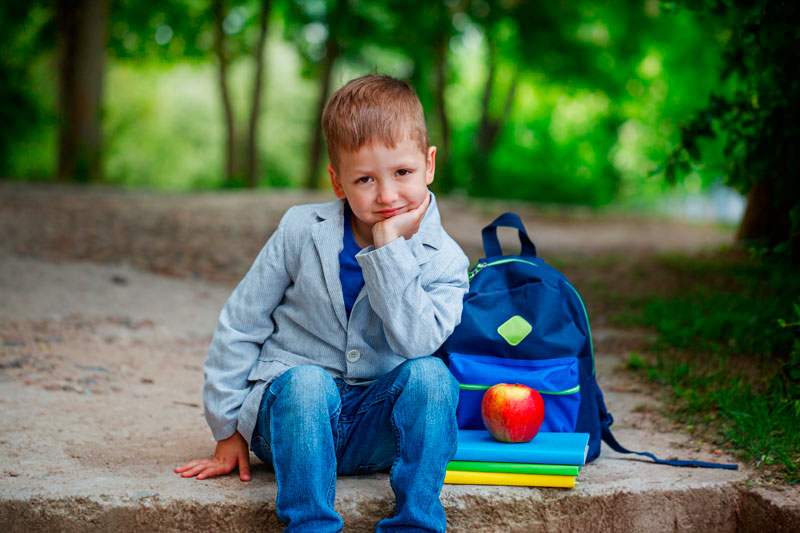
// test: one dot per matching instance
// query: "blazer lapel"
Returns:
(327, 236)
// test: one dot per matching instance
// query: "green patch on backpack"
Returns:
(514, 330)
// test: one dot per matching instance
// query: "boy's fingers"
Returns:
(244, 467)
(194, 470)
(187, 465)
(211, 471)
(214, 470)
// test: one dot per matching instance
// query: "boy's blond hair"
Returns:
(373, 108)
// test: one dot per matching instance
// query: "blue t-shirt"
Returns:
(349, 270)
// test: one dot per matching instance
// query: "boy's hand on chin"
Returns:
(402, 225)
(229, 453)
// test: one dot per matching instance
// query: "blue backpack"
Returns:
(524, 322)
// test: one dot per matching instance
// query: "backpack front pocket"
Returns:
(557, 380)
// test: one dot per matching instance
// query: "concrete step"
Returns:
(642, 499)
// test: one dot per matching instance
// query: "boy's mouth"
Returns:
(390, 212)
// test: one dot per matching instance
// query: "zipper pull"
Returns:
(478, 268)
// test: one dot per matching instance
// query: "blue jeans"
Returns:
(311, 427)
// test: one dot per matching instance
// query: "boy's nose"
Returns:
(387, 193)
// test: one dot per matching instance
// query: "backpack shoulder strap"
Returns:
(609, 439)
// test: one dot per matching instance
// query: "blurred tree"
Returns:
(421, 30)
(578, 64)
(417, 29)
(757, 113)
(177, 30)
(258, 89)
(442, 34)
(499, 30)
(322, 31)
(83, 35)
(519, 36)
(223, 61)
(19, 45)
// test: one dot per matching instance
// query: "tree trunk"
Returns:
(489, 128)
(766, 219)
(510, 96)
(255, 111)
(485, 125)
(445, 177)
(83, 33)
(218, 11)
(480, 162)
(331, 54)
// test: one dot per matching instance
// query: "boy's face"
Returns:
(381, 182)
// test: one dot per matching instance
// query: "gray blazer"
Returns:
(289, 310)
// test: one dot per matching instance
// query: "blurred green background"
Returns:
(580, 102)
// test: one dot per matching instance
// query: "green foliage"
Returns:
(594, 92)
(174, 31)
(793, 363)
(601, 92)
(759, 422)
(23, 28)
(635, 361)
(755, 113)
(729, 348)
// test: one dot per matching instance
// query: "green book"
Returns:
(514, 468)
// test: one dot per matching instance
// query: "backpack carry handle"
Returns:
(491, 245)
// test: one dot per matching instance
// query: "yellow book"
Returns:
(505, 478)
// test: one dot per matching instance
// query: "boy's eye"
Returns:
(403, 172)
(364, 179)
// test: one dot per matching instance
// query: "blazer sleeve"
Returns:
(244, 325)
(417, 318)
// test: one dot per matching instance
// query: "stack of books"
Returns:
(549, 460)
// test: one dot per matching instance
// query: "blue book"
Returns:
(545, 448)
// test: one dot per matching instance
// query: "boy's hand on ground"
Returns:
(229, 453)
(402, 225)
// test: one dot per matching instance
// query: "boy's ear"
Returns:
(430, 165)
(335, 183)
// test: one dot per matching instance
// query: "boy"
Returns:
(321, 359)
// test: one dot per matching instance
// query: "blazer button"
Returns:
(353, 356)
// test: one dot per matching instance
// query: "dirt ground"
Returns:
(216, 236)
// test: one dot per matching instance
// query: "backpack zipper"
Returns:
(483, 264)
(480, 266)
(588, 327)
(573, 390)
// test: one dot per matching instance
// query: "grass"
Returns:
(728, 347)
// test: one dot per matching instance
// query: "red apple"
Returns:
(512, 413)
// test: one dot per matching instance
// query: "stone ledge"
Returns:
(362, 502)
(774, 508)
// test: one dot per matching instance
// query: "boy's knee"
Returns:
(430, 376)
(306, 382)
